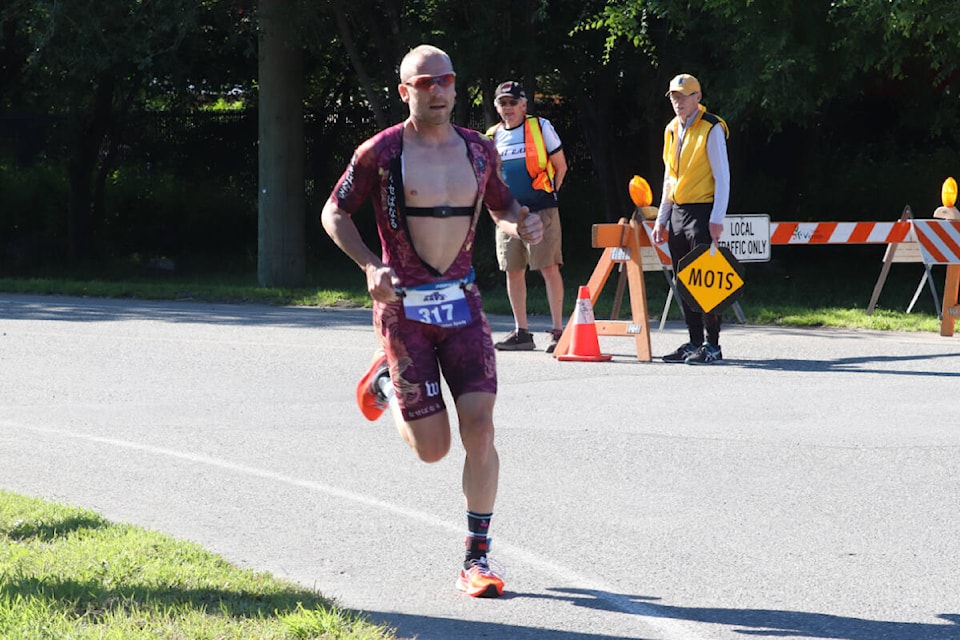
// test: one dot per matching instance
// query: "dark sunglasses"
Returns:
(503, 102)
(428, 82)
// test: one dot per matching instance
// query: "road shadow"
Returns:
(773, 623)
(411, 627)
(756, 623)
(82, 310)
(859, 364)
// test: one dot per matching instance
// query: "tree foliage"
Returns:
(784, 62)
(91, 63)
(811, 88)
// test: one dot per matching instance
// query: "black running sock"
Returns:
(478, 524)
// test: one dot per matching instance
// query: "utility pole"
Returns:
(281, 246)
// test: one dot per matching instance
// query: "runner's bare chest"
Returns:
(438, 176)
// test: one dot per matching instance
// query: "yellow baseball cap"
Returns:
(685, 84)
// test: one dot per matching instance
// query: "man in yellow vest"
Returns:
(696, 190)
(533, 168)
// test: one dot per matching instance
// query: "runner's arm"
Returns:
(339, 225)
(517, 222)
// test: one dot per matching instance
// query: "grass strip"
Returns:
(769, 300)
(68, 574)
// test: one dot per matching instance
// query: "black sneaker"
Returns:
(554, 339)
(683, 352)
(519, 340)
(706, 354)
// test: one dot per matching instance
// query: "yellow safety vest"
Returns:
(692, 178)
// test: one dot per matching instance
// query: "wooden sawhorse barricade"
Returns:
(905, 252)
(938, 241)
(951, 308)
(621, 243)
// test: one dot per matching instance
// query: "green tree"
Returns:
(785, 61)
(809, 87)
(90, 62)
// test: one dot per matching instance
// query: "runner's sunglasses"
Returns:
(427, 82)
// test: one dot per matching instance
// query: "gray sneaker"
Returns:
(683, 352)
(518, 340)
(706, 354)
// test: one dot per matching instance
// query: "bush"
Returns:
(33, 227)
(169, 215)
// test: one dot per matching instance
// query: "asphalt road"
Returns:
(805, 487)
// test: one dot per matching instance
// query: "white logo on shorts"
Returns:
(433, 389)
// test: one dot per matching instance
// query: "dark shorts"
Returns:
(417, 354)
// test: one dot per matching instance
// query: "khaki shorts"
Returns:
(513, 254)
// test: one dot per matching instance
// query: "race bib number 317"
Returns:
(441, 305)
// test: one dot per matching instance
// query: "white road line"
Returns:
(670, 628)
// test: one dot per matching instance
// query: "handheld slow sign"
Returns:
(709, 280)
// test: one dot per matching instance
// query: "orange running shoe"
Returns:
(369, 397)
(481, 581)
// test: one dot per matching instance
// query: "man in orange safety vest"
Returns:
(534, 167)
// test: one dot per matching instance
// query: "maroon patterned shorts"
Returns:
(417, 354)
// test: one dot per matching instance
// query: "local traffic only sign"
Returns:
(747, 237)
(710, 279)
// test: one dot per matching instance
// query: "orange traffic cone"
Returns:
(584, 345)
